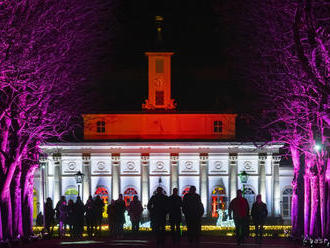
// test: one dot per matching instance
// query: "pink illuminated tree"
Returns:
(48, 52)
(286, 44)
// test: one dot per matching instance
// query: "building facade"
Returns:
(134, 153)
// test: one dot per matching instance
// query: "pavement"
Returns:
(146, 241)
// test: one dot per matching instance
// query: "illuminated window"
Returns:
(129, 194)
(35, 204)
(217, 126)
(159, 66)
(286, 202)
(100, 125)
(159, 97)
(104, 195)
(71, 193)
(249, 194)
(219, 200)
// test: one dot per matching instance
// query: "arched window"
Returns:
(129, 193)
(71, 193)
(286, 202)
(104, 194)
(249, 194)
(218, 199)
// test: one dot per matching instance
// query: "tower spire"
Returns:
(159, 85)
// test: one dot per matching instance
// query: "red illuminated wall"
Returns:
(158, 126)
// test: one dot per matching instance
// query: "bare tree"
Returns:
(285, 56)
(48, 51)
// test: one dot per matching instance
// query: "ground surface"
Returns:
(147, 240)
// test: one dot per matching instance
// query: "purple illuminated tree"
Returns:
(286, 44)
(48, 52)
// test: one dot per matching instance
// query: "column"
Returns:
(42, 168)
(86, 170)
(174, 171)
(145, 180)
(232, 175)
(203, 181)
(262, 176)
(57, 178)
(115, 176)
(276, 185)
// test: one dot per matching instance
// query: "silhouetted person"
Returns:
(193, 210)
(240, 207)
(63, 215)
(90, 216)
(135, 210)
(259, 213)
(49, 216)
(175, 212)
(58, 204)
(70, 216)
(98, 207)
(111, 211)
(40, 219)
(158, 208)
(78, 217)
(120, 209)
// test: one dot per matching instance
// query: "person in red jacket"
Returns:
(240, 207)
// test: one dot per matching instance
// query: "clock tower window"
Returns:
(159, 98)
(159, 65)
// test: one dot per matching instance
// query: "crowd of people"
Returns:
(73, 215)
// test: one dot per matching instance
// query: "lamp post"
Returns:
(244, 178)
(79, 179)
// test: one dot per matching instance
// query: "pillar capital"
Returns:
(276, 157)
(233, 157)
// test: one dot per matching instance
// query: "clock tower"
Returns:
(159, 97)
(159, 86)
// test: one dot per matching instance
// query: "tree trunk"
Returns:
(328, 198)
(27, 200)
(307, 205)
(322, 192)
(297, 212)
(6, 210)
(5, 202)
(1, 232)
(17, 204)
(314, 230)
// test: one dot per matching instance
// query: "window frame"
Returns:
(217, 126)
(159, 65)
(286, 193)
(100, 126)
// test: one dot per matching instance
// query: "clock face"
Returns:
(158, 82)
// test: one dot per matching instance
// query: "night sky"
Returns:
(204, 76)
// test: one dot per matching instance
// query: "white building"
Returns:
(135, 153)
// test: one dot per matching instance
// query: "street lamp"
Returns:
(244, 178)
(79, 179)
(317, 147)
